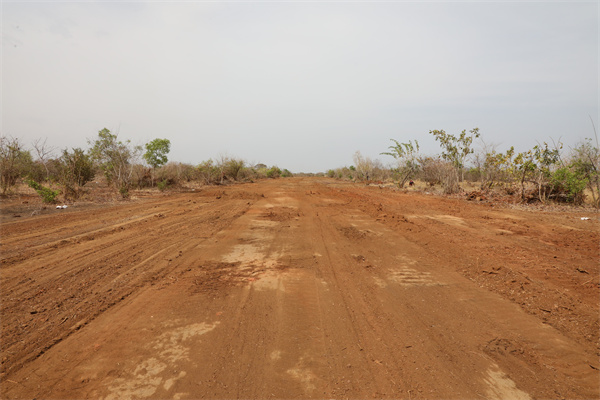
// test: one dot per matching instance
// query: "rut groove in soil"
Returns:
(300, 288)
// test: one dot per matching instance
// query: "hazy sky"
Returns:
(302, 85)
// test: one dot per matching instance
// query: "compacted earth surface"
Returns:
(299, 288)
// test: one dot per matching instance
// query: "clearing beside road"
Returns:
(300, 288)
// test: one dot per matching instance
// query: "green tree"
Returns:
(545, 160)
(76, 169)
(406, 155)
(523, 167)
(456, 149)
(536, 166)
(116, 159)
(497, 168)
(156, 153)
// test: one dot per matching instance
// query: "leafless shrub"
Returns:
(436, 171)
(43, 153)
(142, 176)
(175, 173)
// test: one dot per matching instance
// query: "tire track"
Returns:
(62, 293)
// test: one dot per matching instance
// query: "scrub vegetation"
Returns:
(545, 173)
(548, 172)
(123, 166)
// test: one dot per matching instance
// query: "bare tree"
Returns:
(43, 153)
(364, 166)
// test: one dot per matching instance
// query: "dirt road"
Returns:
(300, 288)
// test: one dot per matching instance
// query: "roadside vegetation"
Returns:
(65, 175)
(545, 173)
(466, 164)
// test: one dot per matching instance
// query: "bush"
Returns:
(48, 195)
(273, 172)
(76, 169)
(364, 167)
(436, 171)
(342, 173)
(172, 173)
(162, 185)
(568, 185)
(186, 172)
(232, 168)
(406, 155)
(456, 149)
(208, 172)
(37, 172)
(142, 176)
(586, 163)
(124, 191)
(15, 162)
(473, 175)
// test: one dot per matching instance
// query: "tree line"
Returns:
(124, 166)
(546, 172)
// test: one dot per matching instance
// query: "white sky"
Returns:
(301, 85)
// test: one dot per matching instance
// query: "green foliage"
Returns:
(78, 166)
(546, 160)
(373, 169)
(273, 172)
(156, 152)
(536, 166)
(209, 173)
(48, 195)
(586, 163)
(456, 149)
(232, 168)
(116, 159)
(15, 162)
(76, 169)
(497, 168)
(569, 182)
(523, 168)
(406, 157)
(37, 172)
(286, 174)
(401, 150)
(162, 185)
(124, 191)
